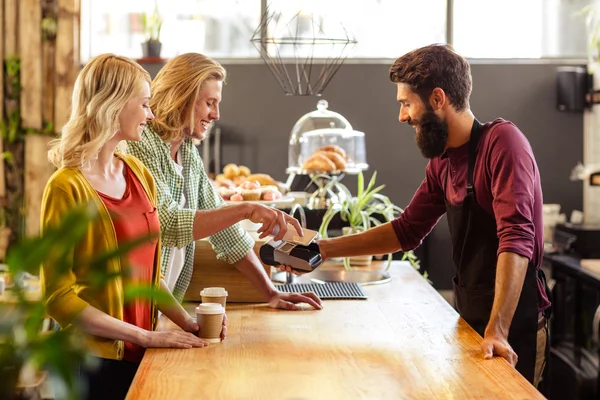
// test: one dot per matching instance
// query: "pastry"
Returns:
(318, 162)
(263, 179)
(338, 160)
(250, 185)
(266, 192)
(226, 192)
(251, 194)
(222, 181)
(244, 171)
(238, 180)
(237, 197)
(231, 171)
(335, 149)
(271, 196)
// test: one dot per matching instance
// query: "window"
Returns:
(519, 29)
(383, 28)
(221, 28)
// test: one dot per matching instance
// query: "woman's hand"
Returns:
(192, 326)
(224, 330)
(171, 339)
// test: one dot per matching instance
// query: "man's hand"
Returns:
(287, 268)
(497, 345)
(272, 220)
(288, 301)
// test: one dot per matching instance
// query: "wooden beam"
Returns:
(1, 66)
(30, 51)
(67, 58)
(11, 21)
(48, 62)
(48, 74)
(2, 177)
(37, 172)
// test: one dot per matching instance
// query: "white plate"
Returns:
(282, 201)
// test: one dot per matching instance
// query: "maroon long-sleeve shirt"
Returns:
(507, 186)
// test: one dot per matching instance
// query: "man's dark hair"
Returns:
(433, 66)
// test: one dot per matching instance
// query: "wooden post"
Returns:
(2, 177)
(11, 21)
(67, 58)
(49, 10)
(37, 172)
(1, 76)
(36, 164)
(30, 51)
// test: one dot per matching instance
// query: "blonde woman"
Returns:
(109, 104)
(186, 97)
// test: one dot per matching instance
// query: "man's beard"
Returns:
(432, 134)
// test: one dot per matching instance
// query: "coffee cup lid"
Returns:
(213, 291)
(210, 308)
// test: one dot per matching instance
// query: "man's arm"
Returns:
(514, 179)
(379, 240)
(510, 275)
(180, 227)
(405, 232)
(210, 222)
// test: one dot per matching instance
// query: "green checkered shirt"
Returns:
(176, 224)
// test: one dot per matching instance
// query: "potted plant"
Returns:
(362, 212)
(27, 347)
(152, 25)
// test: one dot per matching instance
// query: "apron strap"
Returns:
(476, 132)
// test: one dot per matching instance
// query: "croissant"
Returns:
(318, 162)
(335, 149)
(338, 160)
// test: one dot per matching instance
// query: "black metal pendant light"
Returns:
(302, 52)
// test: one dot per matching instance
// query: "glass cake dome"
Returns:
(323, 141)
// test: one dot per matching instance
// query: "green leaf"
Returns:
(372, 181)
(7, 156)
(147, 292)
(56, 243)
(361, 183)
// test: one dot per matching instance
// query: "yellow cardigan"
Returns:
(67, 295)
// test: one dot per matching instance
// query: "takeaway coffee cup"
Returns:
(214, 295)
(210, 320)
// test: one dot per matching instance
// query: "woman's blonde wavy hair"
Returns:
(102, 89)
(175, 90)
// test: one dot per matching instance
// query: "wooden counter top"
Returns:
(404, 342)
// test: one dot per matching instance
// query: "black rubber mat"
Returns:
(328, 290)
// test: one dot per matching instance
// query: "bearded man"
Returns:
(485, 178)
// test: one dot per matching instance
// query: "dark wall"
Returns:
(256, 120)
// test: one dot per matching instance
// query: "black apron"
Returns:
(474, 245)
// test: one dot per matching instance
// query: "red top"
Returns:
(133, 217)
(507, 186)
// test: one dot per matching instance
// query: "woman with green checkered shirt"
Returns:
(185, 99)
